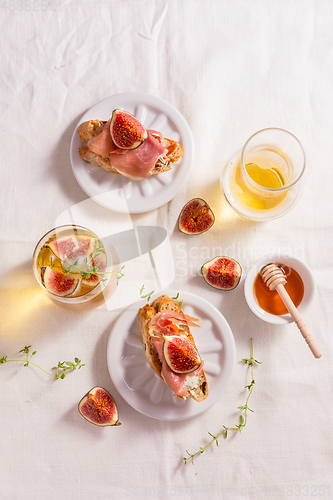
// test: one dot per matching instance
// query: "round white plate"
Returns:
(117, 192)
(141, 387)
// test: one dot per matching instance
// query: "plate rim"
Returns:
(126, 393)
(182, 126)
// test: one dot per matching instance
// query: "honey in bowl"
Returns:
(270, 301)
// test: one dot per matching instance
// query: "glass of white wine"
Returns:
(264, 179)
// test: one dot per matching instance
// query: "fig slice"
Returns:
(64, 247)
(99, 408)
(99, 265)
(126, 131)
(196, 217)
(71, 248)
(61, 284)
(179, 354)
(223, 273)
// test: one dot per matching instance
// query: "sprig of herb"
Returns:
(143, 295)
(179, 302)
(61, 368)
(94, 270)
(242, 419)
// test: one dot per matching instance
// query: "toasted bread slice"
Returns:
(197, 386)
(88, 130)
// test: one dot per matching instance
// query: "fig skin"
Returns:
(180, 355)
(58, 283)
(223, 273)
(99, 408)
(126, 131)
(97, 262)
(72, 247)
(196, 217)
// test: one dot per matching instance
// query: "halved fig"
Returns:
(61, 284)
(99, 408)
(196, 217)
(180, 355)
(99, 265)
(223, 273)
(126, 131)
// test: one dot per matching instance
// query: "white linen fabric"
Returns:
(231, 67)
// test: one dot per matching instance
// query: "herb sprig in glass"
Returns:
(92, 269)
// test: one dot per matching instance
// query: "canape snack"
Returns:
(162, 326)
(121, 145)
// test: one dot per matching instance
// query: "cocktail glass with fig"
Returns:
(70, 263)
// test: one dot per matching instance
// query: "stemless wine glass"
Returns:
(264, 179)
(72, 264)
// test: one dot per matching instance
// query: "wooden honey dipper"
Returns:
(275, 280)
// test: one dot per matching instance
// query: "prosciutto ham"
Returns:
(175, 381)
(102, 144)
(138, 163)
(170, 322)
(133, 163)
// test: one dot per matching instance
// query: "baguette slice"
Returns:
(90, 129)
(196, 385)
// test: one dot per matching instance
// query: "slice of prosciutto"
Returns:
(170, 322)
(138, 163)
(133, 163)
(175, 381)
(102, 144)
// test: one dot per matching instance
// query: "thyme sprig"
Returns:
(242, 419)
(179, 302)
(94, 269)
(60, 369)
(143, 295)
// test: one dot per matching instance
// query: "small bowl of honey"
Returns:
(267, 304)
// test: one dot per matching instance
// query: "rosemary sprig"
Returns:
(242, 419)
(61, 368)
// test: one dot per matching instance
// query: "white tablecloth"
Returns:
(231, 67)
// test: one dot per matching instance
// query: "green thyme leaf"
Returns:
(243, 419)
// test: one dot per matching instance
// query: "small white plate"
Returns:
(299, 266)
(143, 389)
(117, 192)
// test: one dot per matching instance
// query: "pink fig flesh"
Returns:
(223, 273)
(180, 355)
(98, 263)
(61, 284)
(196, 217)
(99, 408)
(126, 131)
